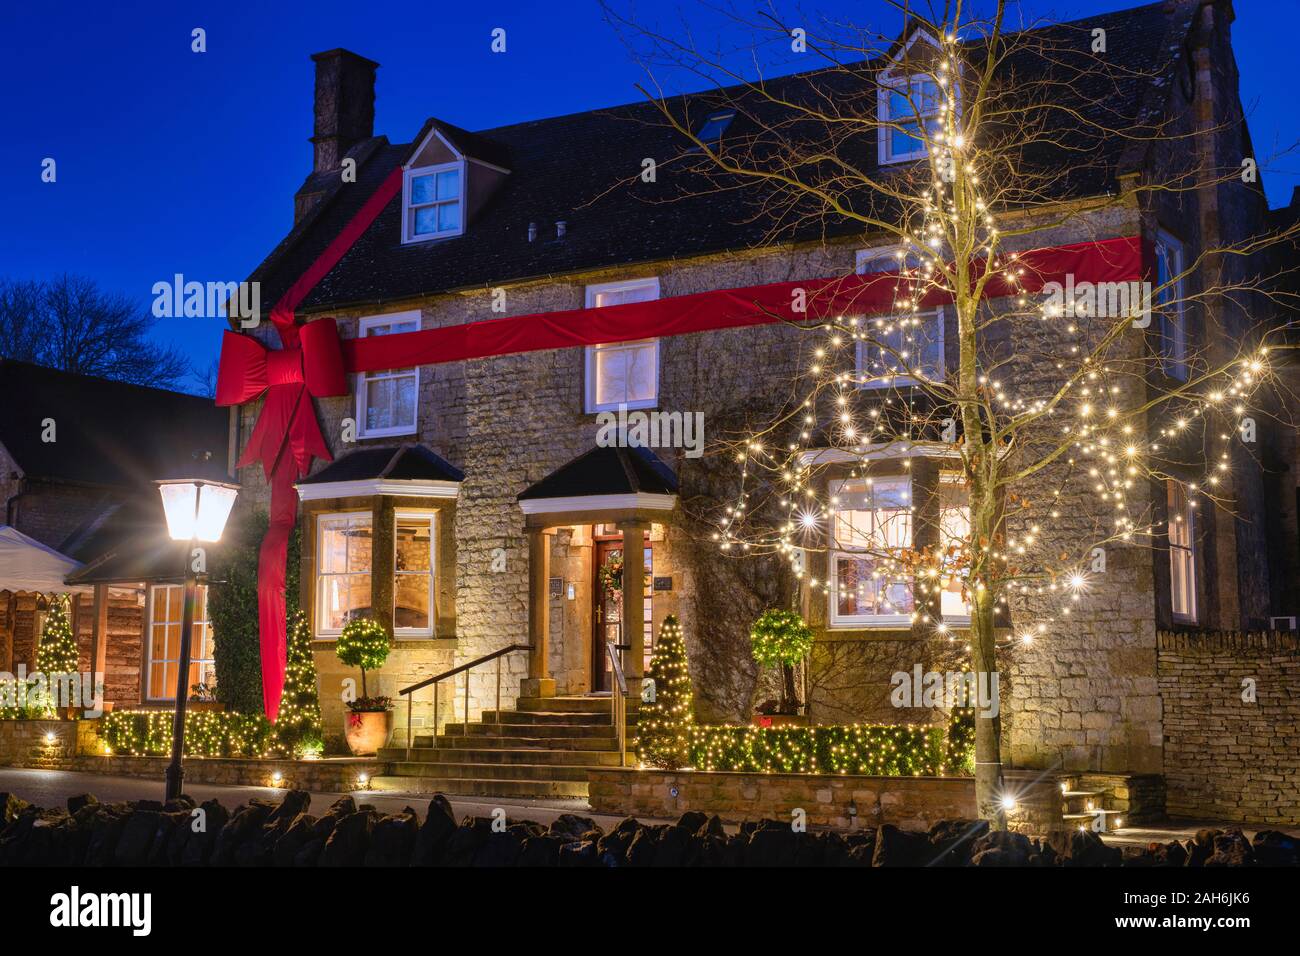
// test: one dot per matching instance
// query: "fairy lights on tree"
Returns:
(1046, 421)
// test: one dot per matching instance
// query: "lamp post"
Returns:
(196, 508)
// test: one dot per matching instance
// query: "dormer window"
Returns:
(904, 105)
(433, 201)
(714, 126)
(910, 100)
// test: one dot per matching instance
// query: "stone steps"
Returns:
(503, 755)
(542, 749)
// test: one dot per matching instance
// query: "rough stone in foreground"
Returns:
(260, 833)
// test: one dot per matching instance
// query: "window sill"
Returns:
(643, 405)
(388, 432)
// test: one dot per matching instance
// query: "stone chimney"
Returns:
(344, 105)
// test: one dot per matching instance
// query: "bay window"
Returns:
(343, 555)
(166, 606)
(413, 576)
(954, 533)
(387, 401)
(871, 524)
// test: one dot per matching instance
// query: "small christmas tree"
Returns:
(665, 722)
(299, 723)
(58, 651)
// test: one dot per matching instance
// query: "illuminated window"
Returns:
(343, 553)
(954, 533)
(387, 401)
(413, 562)
(166, 606)
(433, 202)
(1182, 553)
(622, 373)
(871, 524)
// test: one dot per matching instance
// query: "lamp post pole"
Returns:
(175, 772)
(196, 509)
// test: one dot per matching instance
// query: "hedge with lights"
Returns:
(902, 751)
(141, 733)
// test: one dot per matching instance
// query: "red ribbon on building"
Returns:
(314, 362)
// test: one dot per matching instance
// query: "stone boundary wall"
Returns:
(1226, 757)
(75, 745)
(827, 799)
(46, 744)
(325, 775)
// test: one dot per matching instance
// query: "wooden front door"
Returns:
(607, 614)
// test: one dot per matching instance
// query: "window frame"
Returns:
(884, 135)
(1176, 490)
(409, 234)
(324, 519)
(201, 625)
(953, 478)
(364, 378)
(590, 405)
(865, 257)
(834, 619)
(418, 633)
(1173, 329)
(724, 117)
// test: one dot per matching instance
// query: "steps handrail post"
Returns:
(499, 659)
(435, 713)
(410, 700)
(467, 703)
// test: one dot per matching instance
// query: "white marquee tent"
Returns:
(28, 565)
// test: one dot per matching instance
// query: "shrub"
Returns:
(363, 644)
(207, 733)
(875, 750)
(781, 639)
(298, 725)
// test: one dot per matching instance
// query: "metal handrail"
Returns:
(618, 698)
(437, 678)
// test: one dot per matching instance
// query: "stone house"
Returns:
(78, 458)
(470, 507)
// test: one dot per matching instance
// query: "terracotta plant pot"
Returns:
(368, 731)
(779, 720)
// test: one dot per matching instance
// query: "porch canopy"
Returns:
(28, 565)
(627, 487)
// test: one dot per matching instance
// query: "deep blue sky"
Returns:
(171, 162)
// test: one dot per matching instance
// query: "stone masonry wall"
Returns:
(1228, 756)
(829, 800)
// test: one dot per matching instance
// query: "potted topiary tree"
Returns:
(365, 644)
(780, 639)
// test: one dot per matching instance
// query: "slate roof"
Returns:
(570, 168)
(128, 542)
(107, 433)
(606, 471)
(397, 463)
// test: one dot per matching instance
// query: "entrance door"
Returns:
(607, 615)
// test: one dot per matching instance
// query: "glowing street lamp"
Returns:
(197, 505)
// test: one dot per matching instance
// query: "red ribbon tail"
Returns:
(271, 564)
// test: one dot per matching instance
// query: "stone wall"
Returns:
(46, 744)
(322, 776)
(828, 800)
(1228, 756)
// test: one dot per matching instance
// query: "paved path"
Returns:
(51, 788)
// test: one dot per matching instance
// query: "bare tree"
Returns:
(69, 323)
(1058, 414)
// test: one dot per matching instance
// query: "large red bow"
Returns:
(287, 436)
(285, 439)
